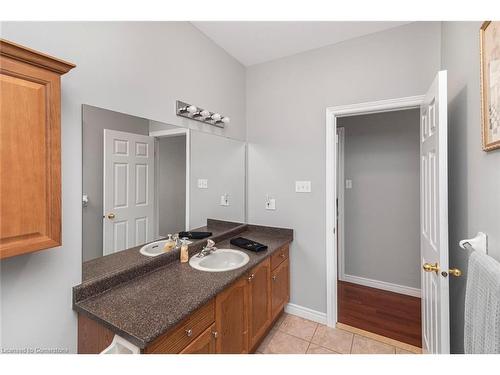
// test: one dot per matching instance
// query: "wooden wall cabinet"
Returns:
(30, 149)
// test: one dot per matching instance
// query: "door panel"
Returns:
(434, 218)
(231, 319)
(280, 288)
(128, 190)
(259, 284)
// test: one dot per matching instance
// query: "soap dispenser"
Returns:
(184, 250)
(169, 244)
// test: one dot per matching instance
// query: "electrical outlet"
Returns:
(202, 183)
(302, 186)
(224, 200)
(348, 184)
(270, 204)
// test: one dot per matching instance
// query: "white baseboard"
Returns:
(401, 289)
(306, 313)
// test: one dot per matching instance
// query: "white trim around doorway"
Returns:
(332, 113)
(173, 133)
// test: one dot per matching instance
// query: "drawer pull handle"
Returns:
(274, 277)
(189, 332)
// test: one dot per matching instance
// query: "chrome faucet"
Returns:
(177, 240)
(208, 249)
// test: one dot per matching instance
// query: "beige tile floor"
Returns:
(294, 335)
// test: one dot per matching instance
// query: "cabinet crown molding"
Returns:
(30, 56)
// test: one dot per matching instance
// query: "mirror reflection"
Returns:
(144, 180)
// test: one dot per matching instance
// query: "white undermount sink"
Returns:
(220, 260)
(155, 248)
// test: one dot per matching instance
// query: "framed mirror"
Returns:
(144, 180)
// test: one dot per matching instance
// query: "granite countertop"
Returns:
(145, 307)
(101, 266)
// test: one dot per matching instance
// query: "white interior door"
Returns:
(434, 218)
(128, 190)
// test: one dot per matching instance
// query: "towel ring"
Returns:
(478, 243)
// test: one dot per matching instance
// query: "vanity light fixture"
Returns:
(216, 117)
(199, 114)
(188, 109)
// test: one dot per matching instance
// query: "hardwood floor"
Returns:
(389, 314)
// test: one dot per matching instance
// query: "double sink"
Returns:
(219, 261)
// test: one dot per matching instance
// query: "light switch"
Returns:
(302, 186)
(202, 183)
(348, 184)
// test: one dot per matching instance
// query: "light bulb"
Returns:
(192, 109)
(226, 120)
(216, 117)
(205, 113)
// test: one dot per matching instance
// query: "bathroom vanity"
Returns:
(164, 306)
(144, 180)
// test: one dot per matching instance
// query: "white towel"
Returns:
(482, 305)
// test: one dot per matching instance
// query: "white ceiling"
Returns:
(254, 42)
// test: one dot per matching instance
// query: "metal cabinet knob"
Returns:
(215, 334)
(189, 332)
(282, 255)
(250, 278)
(274, 277)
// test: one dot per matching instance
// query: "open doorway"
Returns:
(434, 265)
(378, 221)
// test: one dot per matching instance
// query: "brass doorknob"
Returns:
(453, 272)
(111, 215)
(428, 267)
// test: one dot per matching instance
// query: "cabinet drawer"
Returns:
(279, 256)
(185, 332)
(204, 343)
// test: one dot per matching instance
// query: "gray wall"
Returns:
(286, 102)
(95, 120)
(222, 162)
(474, 175)
(139, 68)
(382, 211)
(172, 184)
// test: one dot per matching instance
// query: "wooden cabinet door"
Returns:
(204, 343)
(30, 160)
(259, 301)
(280, 287)
(93, 337)
(231, 319)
